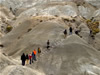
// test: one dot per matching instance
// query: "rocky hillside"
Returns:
(28, 24)
(60, 8)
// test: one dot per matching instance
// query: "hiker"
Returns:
(92, 19)
(77, 31)
(90, 32)
(23, 58)
(70, 30)
(34, 54)
(39, 51)
(93, 36)
(10, 9)
(27, 58)
(48, 44)
(65, 33)
(30, 58)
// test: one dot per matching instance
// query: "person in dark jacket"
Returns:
(65, 33)
(23, 58)
(90, 32)
(10, 9)
(77, 31)
(48, 44)
(70, 30)
(33, 56)
(27, 58)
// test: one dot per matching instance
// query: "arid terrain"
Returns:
(26, 25)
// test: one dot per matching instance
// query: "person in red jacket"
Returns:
(30, 57)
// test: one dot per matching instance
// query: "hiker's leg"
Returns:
(27, 61)
(47, 47)
(32, 59)
(65, 35)
(35, 57)
(23, 62)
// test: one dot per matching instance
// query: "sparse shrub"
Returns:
(87, 21)
(14, 18)
(78, 4)
(56, 15)
(19, 23)
(96, 30)
(96, 23)
(73, 20)
(4, 54)
(9, 28)
(41, 20)
(29, 30)
(65, 19)
(19, 37)
(94, 26)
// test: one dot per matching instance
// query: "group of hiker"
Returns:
(71, 31)
(29, 58)
(77, 32)
(65, 32)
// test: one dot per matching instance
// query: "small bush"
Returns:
(65, 19)
(78, 4)
(29, 30)
(73, 20)
(87, 21)
(14, 18)
(9, 28)
(19, 37)
(56, 15)
(97, 30)
(41, 21)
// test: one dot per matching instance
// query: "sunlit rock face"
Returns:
(95, 3)
(6, 17)
(86, 8)
(36, 21)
